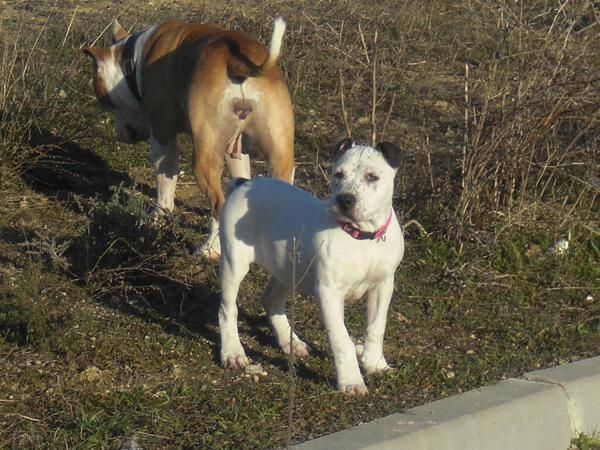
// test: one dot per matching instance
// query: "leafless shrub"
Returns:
(46, 246)
(15, 122)
(33, 116)
(532, 107)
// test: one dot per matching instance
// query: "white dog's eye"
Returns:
(371, 177)
(339, 175)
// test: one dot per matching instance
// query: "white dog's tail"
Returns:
(276, 40)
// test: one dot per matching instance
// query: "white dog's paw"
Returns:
(234, 361)
(383, 367)
(300, 349)
(355, 390)
(374, 365)
(371, 364)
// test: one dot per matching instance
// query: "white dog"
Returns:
(347, 247)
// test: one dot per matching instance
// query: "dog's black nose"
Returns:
(345, 201)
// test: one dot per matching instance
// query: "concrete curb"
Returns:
(542, 410)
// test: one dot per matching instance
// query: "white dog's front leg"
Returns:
(274, 299)
(346, 365)
(165, 159)
(378, 300)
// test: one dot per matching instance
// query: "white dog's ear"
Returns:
(391, 153)
(340, 147)
(118, 32)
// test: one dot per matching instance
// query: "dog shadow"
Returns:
(62, 168)
(260, 330)
(116, 257)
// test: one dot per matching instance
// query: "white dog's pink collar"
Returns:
(364, 235)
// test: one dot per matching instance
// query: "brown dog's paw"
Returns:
(210, 250)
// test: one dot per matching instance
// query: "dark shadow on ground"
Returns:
(265, 339)
(64, 168)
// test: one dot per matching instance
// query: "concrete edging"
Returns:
(541, 410)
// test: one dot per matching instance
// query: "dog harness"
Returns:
(128, 64)
(364, 235)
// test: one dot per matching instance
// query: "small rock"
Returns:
(177, 372)
(254, 369)
(560, 247)
(129, 444)
(91, 374)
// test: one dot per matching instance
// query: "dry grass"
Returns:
(531, 129)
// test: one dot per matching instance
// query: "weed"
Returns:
(585, 442)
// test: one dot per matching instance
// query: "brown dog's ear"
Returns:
(340, 147)
(98, 53)
(90, 51)
(118, 32)
(391, 153)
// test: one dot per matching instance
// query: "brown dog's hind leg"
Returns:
(277, 144)
(275, 133)
(208, 167)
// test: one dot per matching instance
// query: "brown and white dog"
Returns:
(222, 87)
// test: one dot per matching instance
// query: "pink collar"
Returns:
(364, 235)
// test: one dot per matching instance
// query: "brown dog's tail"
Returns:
(239, 65)
(275, 46)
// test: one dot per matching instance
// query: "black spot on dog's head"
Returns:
(391, 153)
(340, 147)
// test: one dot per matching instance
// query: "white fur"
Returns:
(127, 112)
(352, 171)
(276, 40)
(264, 219)
(165, 159)
(211, 247)
(115, 83)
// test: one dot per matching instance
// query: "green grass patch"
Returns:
(585, 442)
